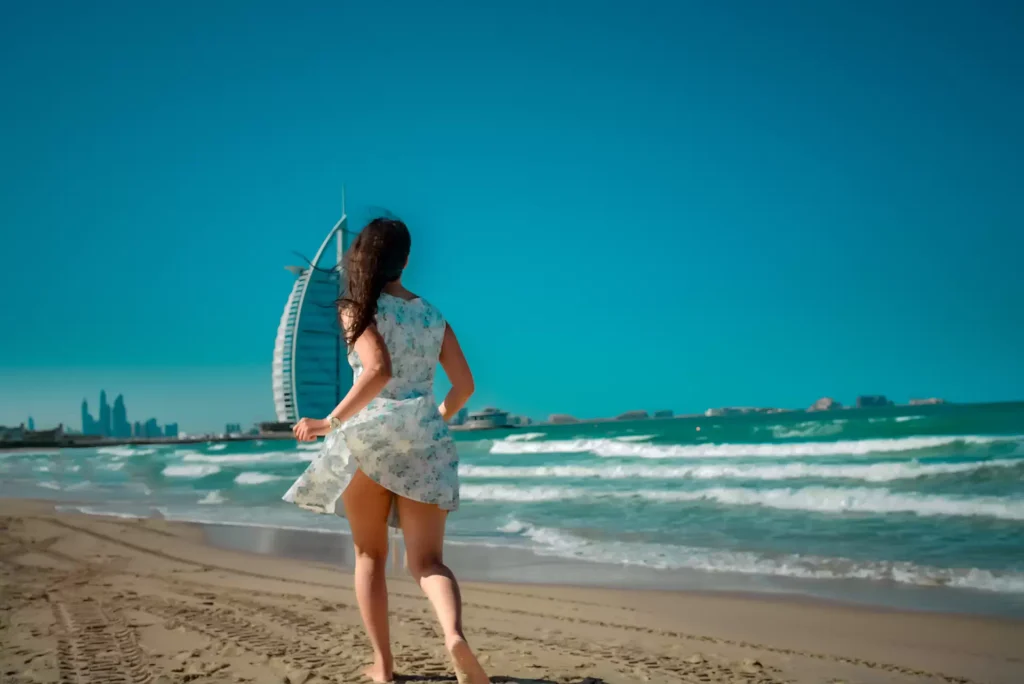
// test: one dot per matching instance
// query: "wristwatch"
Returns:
(334, 423)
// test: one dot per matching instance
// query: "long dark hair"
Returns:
(377, 257)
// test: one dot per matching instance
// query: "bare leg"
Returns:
(366, 507)
(423, 529)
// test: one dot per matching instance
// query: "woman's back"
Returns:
(413, 330)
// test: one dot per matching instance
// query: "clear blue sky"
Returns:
(618, 206)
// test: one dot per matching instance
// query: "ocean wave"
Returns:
(259, 457)
(829, 500)
(556, 542)
(90, 510)
(125, 451)
(19, 454)
(217, 447)
(873, 472)
(807, 429)
(190, 471)
(253, 478)
(524, 436)
(612, 448)
(634, 438)
(49, 485)
(212, 498)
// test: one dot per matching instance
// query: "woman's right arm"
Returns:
(376, 361)
(457, 369)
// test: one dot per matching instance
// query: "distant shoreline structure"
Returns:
(309, 370)
(75, 441)
(56, 439)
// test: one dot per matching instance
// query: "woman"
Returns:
(388, 458)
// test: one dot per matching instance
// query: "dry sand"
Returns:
(97, 601)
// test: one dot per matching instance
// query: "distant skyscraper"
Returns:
(152, 429)
(233, 428)
(310, 371)
(89, 426)
(171, 430)
(137, 430)
(31, 423)
(104, 415)
(120, 426)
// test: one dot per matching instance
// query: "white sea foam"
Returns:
(49, 485)
(854, 500)
(523, 436)
(523, 494)
(832, 500)
(904, 419)
(212, 498)
(612, 448)
(807, 429)
(190, 471)
(256, 478)
(217, 447)
(90, 510)
(259, 457)
(634, 438)
(513, 526)
(873, 472)
(125, 451)
(309, 446)
(556, 542)
(28, 454)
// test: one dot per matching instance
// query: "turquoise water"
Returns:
(910, 496)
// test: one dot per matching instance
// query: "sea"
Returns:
(920, 505)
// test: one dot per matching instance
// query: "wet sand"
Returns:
(101, 600)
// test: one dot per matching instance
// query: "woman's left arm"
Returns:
(376, 361)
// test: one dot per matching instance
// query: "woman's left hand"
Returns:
(308, 429)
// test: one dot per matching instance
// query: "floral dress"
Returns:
(399, 440)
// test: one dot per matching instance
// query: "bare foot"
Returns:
(379, 674)
(467, 668)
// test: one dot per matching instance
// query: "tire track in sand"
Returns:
(648, 666)
(95, 646)
(826, 657)
(279, 636)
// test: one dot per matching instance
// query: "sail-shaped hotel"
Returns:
(310, 371)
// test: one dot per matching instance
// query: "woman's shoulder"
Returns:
(403, 308)
(432, 314)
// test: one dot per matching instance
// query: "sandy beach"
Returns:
(102, 600)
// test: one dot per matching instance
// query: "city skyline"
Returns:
(113, 422)
(684, 185)
(150, 428)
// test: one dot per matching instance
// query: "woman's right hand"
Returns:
(308, 429)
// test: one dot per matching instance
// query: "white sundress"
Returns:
(399, 440)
